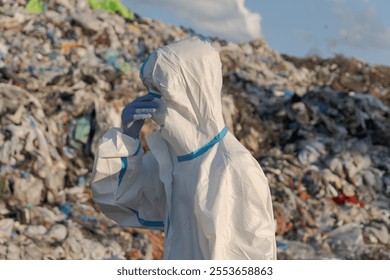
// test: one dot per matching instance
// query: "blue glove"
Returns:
(135, 113)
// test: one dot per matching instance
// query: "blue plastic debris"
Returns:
(85, 218)
(281, 245)
(31, 69)
(25, 175)
(69, 152)
(66, 209)
(323, 107)
(288, 93)
(52, 37)
(81, 181)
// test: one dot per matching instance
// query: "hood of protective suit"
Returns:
(188, 76)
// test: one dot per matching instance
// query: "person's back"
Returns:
(198, 183)
(231, 216)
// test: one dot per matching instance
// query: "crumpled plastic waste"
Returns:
(80, 132)
(342, 199)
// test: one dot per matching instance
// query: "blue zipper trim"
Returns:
(148, 223)
(155, 95)
(205, 148)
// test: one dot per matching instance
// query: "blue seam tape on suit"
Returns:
(138, 148)
(123, 170)
(147, 223)
(124, 165)
(121, 175)
(168, 226)
(205, 148)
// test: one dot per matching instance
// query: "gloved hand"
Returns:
(135, 113)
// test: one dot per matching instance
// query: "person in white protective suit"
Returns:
(198, 183)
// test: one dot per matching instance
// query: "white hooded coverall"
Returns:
(198, 183)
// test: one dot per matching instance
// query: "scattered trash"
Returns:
(56, 234)
(347, 240)
(67, 47)
(319, 128)
(66, 209)
(342, 199)
(80, 132)
(6, 226)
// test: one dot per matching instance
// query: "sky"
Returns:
(353, 28)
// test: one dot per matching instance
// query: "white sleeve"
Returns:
(125, 182)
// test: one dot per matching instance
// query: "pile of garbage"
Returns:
(319, 128)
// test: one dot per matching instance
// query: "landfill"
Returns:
(320, 129)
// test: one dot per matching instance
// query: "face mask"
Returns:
(158, 116)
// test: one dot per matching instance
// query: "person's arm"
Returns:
(125, 183)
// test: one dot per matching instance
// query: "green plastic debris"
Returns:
(125, 67)
(114, 58)
(80, 131)
(111, 6)
(83, 127)
(35, 7)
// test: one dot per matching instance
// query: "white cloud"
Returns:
(227, 19)
(361, 29)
